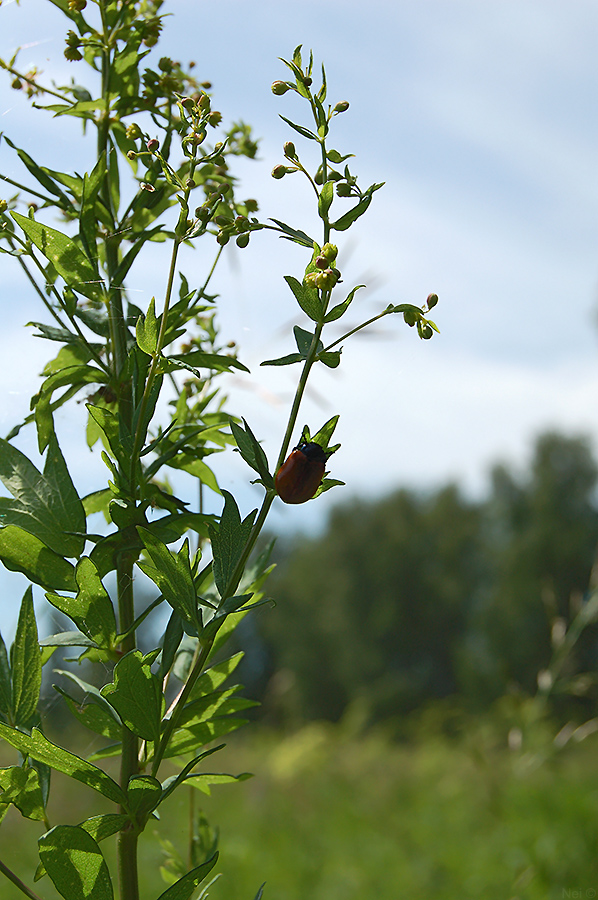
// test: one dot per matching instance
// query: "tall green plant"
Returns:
(169, 704)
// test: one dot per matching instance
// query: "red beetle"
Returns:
(301, 473)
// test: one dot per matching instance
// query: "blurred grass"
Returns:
(329, 816)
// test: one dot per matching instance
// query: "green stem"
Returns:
(18, 883)
(175, 716)
(384, 312)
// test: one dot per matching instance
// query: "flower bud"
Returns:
(223, 237)
(310, 280)
(3, 206)
(153, 144)
(426, 332)
(131, 154)
(410, 316)
(190, 184)
(72, 54)
(77, 5)
(289, 150)
(343, 189)
(326, 280)
(329, 252)
(17, 84)
(204, 102)
(251, 205)
(215, 118)
(432, 300)
(279, 171)
(222, 220)
(242, 224)
(321, 262)
(165, 64)
(341, 107)
(133, 132)
(307, 81)
(242, 240)
(199, 137)
(279, 88)
(188, 103)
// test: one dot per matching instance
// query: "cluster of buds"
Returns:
(327, 275)
(3, 206)
(73, 43)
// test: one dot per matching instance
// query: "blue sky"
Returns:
(481, 118)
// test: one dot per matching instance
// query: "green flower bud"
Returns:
(17, 84)
(131, 154)
(341, 107)
(72, 54)
(343, 189)
(410, 316)
(279, 171)
(199, 137)
(426, 332)
(310, 280)
(251, 205)
(280, 87)
(223, 237)
(188, 103)
(326, 280)
(153, 144)
(3, 206)
(289, 150)
(242, 224)
(165, 64)
(222, 220)
(215, 118)
(77, 5)
(329, 252)
(432, 300)
(133, 132)
(242, 240)
(73, 39)
(307, 81)
(204, 102)
(190, 184)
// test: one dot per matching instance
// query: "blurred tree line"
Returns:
(421, 596)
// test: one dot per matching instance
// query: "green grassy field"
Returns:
(329, 817)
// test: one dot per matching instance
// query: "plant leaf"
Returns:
(136, 695)
(75, 864)
(40, 748)
(22, 552)
(47, 505)
(91, 610)
(307, 298)
(69, 261)
(229, 541)
(184, 887)
(26, 663)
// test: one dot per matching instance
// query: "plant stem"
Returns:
(18, 883)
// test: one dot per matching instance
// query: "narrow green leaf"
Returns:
(93, 716)
(69, 261)
(349, 217)
(41, 175)
(91, 610)
(325, 199)
(287, 360)
(293, 234)
(188, 740)
(147, 328)
(307, 298)
(20, 786)
(78, 377)
(22, 552)
(75, 864)
(337, 311)
(172, 574)
(215, 361)
(5, 682)
(136, 695)
(184, 887)
(251, 450)
(206, 780)
(215, 676)
(229, 541)
(26, 663)
(40, 748)
(304, 132)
